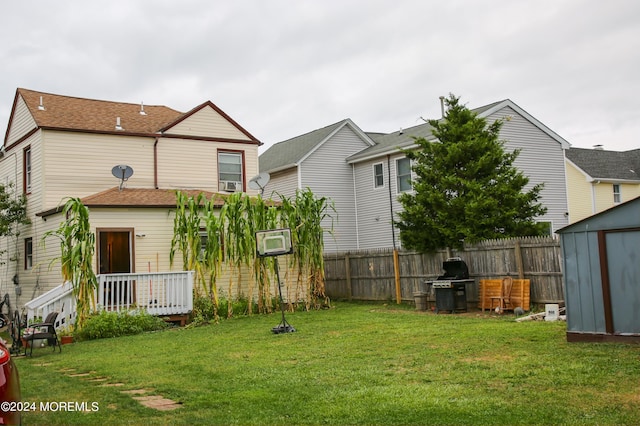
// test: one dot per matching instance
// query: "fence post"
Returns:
(519, 263)
(396, 269)
(347, 270)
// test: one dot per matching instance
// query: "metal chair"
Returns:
(46, 331)
(504, 299)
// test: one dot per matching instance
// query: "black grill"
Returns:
(450, 288)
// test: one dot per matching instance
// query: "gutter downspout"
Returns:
(155, 163)
(355, 204)
(393, 231)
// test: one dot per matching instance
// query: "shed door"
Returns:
(623, 256)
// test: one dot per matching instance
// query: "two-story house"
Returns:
(365, 172)
(60, 146)
(599, 179)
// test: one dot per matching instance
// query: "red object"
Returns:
(9, 387)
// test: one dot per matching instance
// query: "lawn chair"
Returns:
(504, 299)
(46, 331)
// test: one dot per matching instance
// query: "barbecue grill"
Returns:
(450, 288)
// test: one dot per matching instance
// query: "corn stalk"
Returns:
(77, 247)
(186, 236)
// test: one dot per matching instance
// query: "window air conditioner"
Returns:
(230, 186)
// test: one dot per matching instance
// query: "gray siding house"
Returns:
(316, 160)
(379, 172)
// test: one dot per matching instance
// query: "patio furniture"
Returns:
(42, 331)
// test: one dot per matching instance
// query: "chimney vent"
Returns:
(598, 147)
(142, 111)
(41, 106)
(118, 126)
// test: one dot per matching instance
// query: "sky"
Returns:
(282, 68)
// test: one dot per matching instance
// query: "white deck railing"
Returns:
(161, 294)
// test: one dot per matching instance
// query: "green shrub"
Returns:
(114, 324)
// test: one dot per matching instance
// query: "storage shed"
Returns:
(601, 258)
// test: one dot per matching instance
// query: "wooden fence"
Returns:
(371, 275)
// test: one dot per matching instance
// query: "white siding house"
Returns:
(380, 172)
(57, 147)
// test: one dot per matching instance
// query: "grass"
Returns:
(352, 364)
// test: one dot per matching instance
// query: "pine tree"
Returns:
(466, 188)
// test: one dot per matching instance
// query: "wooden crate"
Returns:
(520, 293)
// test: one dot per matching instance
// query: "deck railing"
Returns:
(160, 294)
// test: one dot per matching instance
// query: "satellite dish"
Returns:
(122, 172)
(259, 182)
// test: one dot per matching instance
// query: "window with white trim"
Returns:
(230, 170)
(378, 175)
(403, 175)
(616, 193)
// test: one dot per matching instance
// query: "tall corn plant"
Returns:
(260, 216)
(186, 236)
(77, 248)
(307, 212)
(237, 240)
(213, 253)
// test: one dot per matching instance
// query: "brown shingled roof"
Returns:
(70, 113)
(143, 198)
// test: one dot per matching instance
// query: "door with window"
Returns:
(115, 256)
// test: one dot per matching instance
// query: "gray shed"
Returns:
(601, 259)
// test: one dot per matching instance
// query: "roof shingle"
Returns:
(71, 113)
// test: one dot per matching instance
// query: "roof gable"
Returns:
(208, 120)
(404, 139)
(292, 152)
(622, 216)
(607, 165)
(58, 112)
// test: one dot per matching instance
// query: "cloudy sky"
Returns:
(281, 68)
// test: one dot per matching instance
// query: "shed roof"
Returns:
(623, 216)
(607, 165)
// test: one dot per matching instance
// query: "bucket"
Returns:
(421, 301)
(551, 311)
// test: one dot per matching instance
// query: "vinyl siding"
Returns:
(604, 194)
(283, 183)
(22, 122)
(79, 164)
(327, 173)
(541, 159)
(184, 163)
(207, 123)
(374, 209)
(579, 193)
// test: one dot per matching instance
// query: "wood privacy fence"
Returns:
(374, 275)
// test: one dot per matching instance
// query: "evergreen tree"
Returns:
(466, 188)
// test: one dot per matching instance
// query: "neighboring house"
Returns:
(365, 172)
(59, 146)
(599, 179)
(316, 160)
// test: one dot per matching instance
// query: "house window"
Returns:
(28, 253)
(378, 175)
(230, 171)
(616, 193)
(548, 227)
(403, 174)
(26, 172)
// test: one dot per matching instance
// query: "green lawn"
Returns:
(352, 364)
